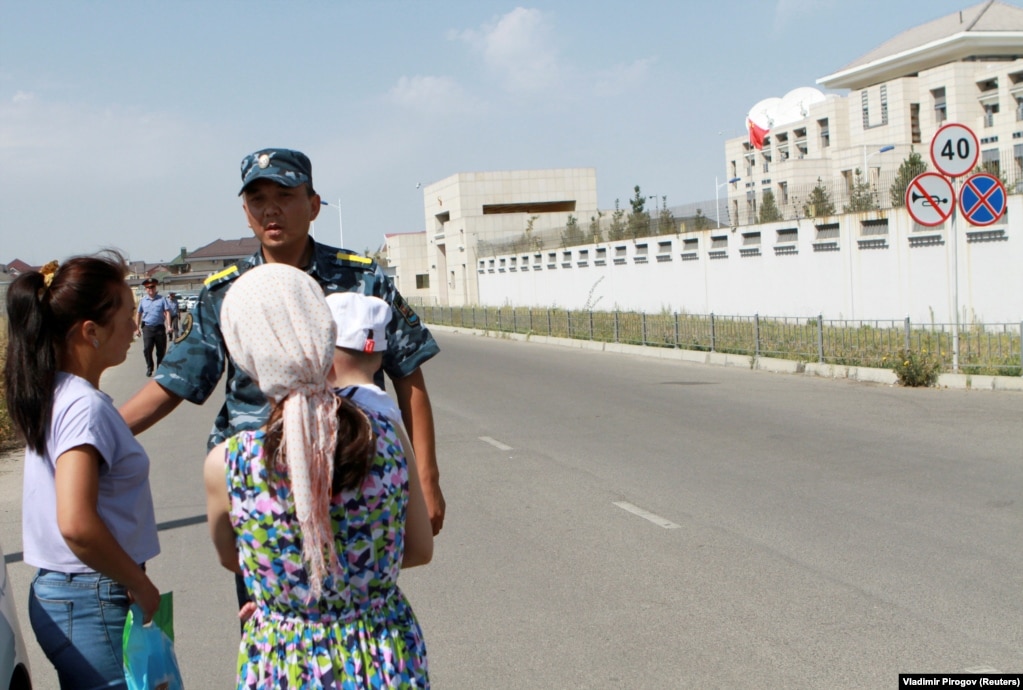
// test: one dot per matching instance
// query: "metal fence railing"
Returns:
(993, 349)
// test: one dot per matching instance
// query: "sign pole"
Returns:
(954, 152)
(955, 283)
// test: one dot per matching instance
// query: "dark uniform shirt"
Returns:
(192, 369)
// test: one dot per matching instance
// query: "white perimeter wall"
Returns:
(910, 274)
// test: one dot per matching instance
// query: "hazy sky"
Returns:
(122, 124)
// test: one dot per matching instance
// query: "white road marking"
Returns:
(981, 669)
(495, 443)
(646, 515)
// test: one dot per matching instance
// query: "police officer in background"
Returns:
(153, 323)
(280, 204)
(175, 310)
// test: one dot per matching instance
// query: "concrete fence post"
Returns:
(756, 334)
(905, 329)
(820, 338)
(713, 335)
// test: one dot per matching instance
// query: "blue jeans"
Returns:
(78, 620)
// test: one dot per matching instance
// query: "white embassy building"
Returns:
(966, 67)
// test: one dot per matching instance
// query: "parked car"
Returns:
(187, 302)
(14, 669)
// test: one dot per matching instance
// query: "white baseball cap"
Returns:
(361, 321)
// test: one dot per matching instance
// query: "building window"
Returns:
(940, 109)
(825, 133)
(1017, 154)
(990, 110)
(423, 280)
(783, 193)
(847, 178)
(884, 104)
(800, 142)
(990, 162)
(1019, 108)
(914, 121)
(865, 107)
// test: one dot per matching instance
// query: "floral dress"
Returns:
(361, 632)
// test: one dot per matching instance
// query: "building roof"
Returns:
(17, 267)
(226, 249)
(989, 29)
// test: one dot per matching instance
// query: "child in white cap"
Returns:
(359, 351)
(320, 508)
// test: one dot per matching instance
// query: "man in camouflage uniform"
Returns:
(280, 204)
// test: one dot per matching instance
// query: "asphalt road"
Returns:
(622, 522)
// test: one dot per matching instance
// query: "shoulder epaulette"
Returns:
(229, 272)
(354, 258)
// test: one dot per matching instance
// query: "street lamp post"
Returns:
(866, 157)
(340, 222)
(717, 188)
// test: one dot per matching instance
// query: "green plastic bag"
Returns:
(149, 659)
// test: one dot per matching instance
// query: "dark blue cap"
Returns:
(283, 166)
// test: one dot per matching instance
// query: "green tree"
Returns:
(768, 209)
(595, 234)
(819, 203)
(572, 235)
(912, 166)
(700, 221)
(666, 223)
(617, 229)
(861, 196)
(639, 219)
(995, 169)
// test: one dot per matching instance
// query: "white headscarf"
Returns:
(279, 330)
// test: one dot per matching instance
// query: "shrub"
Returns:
(916, 368)
(7, 434)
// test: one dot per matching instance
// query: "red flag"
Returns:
(756, 134)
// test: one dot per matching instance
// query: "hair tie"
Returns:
(47, 272)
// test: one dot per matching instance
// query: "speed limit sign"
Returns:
(954, 150)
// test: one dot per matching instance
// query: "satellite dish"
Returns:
(794, 106)
(762, 114)
(797, 102)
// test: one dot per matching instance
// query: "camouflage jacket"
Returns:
(193, 367)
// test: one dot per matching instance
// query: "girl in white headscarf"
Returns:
(319, 509)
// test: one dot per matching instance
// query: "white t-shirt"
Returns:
(369, 396)
(81, 416)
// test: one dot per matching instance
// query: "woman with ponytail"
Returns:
(87, 511)
(319, 509)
